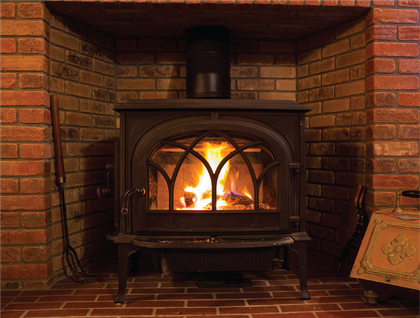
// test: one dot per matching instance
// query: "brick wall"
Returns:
(155, 68)
(26, 218)
(360, 79)
(82, 75)
(331, 80)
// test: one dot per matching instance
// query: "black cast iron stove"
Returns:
(209, 183)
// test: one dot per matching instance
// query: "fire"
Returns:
(200, 197)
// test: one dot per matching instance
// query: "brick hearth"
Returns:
(274, 294)
(354, 62)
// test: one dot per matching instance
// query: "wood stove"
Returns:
(210, 184)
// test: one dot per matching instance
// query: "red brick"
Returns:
(353, 118)
(409, 132)
(9, 185)
(380, 66)
(9, 219)
(265, 72)
(409, 165)
(358, 102)
(380, 99)
(332, 3)
(36, 219)
(64, 39)
(77, 89)
(8, 151)
(348, 89)
(34, 151)
(34, 46)
(25, 168)
(8, 115)
(136, 58)
(380, 165)
(7, 10)
(38, 185)
(33, 11)
(37, 254)
(392, 82)
(24, 134)
(409, 99)
(380, 132)
(10, 254)
(24, 28)
(321, 93)
(352, 58)
(22, 98)
(25, 63)
(336, 105)
(381, 32)
(309, 56)
(8, 80)
(336, 48)
(336, 134)
(322, 121)
(409, 66)
(380, 198)
(392, 16)
(33, 81)
(321, 149)
(25, 203)
(347, 3)
(389, 3)
(392, 115)
(392, 182)
(392, 49)
(335, 77)
(7, 46)
(322, 66)
(409, 3)
(26, 271)
(400, 149)
(78, 119)
(34, 116)
(409, 33)
(136, 84)
(309, 82)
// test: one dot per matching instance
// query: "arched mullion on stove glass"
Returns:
(188, 150)
(239, 150)
(165, 176)
(262, 175)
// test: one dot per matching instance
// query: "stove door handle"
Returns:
(127, 195)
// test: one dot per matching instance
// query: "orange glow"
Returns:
(200, 196)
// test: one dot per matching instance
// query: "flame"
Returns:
(201, 194)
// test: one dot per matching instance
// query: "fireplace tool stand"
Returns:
(60, 183)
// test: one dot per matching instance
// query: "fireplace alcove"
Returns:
(111, 19)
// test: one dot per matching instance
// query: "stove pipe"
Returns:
(208, 65)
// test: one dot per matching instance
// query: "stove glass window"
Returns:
(215, 171)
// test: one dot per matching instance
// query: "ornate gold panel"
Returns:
(390, 251)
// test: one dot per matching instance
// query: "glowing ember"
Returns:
(228, 198)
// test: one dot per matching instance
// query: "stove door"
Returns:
(213, 176)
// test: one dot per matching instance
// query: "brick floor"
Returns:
(273, 294)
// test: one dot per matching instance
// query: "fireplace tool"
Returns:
(59, 164)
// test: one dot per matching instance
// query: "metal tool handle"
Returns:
(411, 194)
(127, 195)
(59, 163)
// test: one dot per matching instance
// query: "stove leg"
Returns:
(301, 250)
(124, 251)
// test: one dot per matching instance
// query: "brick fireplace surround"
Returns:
(354, 62)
